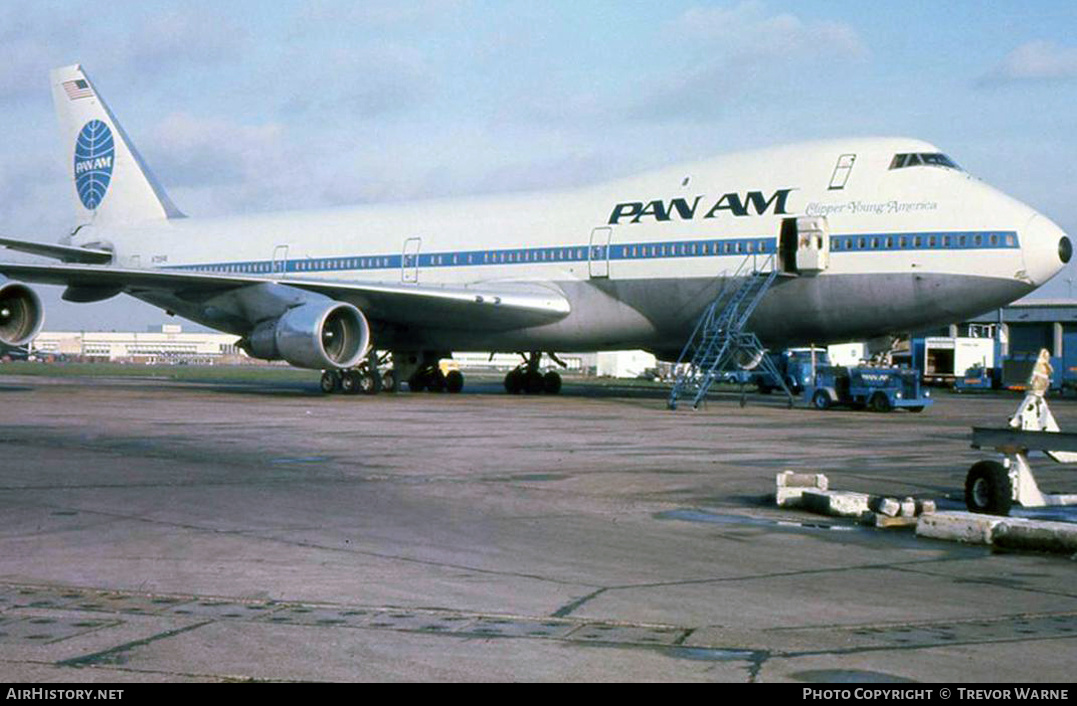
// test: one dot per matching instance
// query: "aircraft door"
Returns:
(598, 252)
(805, 245)
(409, 261)
(787, 246)
(280, 260)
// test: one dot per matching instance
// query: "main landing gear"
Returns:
(436, 380)
(527, 379)
(384, 373)
(369, 378)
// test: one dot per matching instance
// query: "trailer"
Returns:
(947, 359)
(879, 389)
(992, 487)
(795, 366)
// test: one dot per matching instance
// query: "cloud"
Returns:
(172, 38)
(743, 49)
(369, 82)
(746, 31)
(1033, 62)
(379, 13)
(195, 151)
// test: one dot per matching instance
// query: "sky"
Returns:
(255, 106)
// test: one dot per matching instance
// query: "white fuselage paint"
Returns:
(664, 258)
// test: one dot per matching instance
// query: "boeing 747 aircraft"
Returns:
(872, 236)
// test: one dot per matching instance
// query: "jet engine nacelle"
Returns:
(21, 313)
(317, 335)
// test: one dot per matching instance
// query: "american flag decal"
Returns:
(77, 89)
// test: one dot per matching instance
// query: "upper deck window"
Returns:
(936, 159)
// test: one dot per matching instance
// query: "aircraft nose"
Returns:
(1046, 249)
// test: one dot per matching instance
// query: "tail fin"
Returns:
(112, 184)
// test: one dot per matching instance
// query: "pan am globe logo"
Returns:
(94, 152)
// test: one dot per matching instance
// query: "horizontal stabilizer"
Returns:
(66, 253)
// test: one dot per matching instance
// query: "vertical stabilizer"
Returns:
(112, 184)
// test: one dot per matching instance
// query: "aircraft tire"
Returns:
(454, 381)
(417, 382)
(514, 382)
(330, 381)
(350, 383)
(551, 383)
(369, 384)
(534, 383)
(988, 489)
(389, 382)
(435, 381)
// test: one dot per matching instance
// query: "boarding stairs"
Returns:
(720, 342)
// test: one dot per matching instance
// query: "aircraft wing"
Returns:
(66, 253)
(497, 306)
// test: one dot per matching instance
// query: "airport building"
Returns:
(169, 344)
(1031, 324)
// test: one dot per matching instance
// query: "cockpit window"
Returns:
(936, 159)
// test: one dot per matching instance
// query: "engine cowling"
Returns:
(317, 335)
(21, 313)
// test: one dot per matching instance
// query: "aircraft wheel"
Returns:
(351, 382)
(435, 381)
(330, 381)
(534, 383)
(820, 400)
(389, 382)
(454, 381)
(988, 489)
(551, 383)
(514, 383)
(417, 382)
(369, 384)
(879, 403)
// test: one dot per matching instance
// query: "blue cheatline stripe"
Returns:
(728, 247)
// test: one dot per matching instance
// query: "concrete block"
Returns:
(840, 503)
(958, 526)
(789, 479)
(1036, 535)
(885, 506)
(790, 486)
(925, 507)
(887, 522)
(908, 507)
